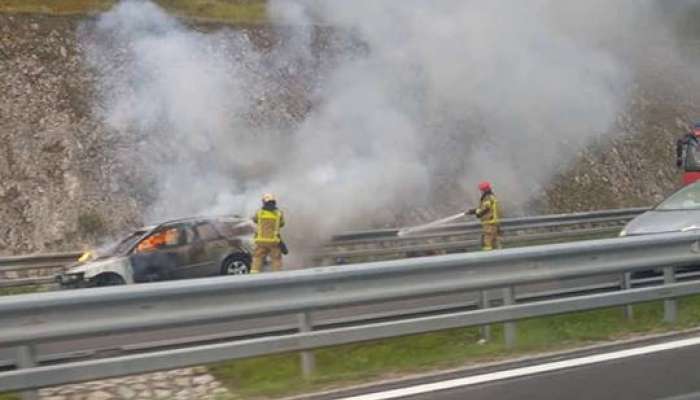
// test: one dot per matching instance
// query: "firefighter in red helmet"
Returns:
(489, 213)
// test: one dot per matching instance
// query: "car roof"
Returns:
(194, 220)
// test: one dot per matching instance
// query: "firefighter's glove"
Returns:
(471, 211)
(283, 248)
(679, 162)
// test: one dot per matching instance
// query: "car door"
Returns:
(162, 255)
(213, 248)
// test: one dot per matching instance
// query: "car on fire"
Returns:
(179, 249)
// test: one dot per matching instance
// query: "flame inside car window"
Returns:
(169, 237)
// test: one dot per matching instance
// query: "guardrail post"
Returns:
(509, 328)
(627, 284)
(308, 360)
(670, 307)
(26, 358)
(484, 303)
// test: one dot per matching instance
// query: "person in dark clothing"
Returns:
(690, 138)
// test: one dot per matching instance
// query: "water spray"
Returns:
(419, 228)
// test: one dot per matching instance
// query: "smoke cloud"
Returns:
(363, 112)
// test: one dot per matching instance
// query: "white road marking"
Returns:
(524, 371)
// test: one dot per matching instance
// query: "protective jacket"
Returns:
(269, 221)
(489, 211)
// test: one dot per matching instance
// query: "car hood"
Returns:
(663, 221)
(84, 267)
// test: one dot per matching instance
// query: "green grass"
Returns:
(279, 375)
(226, 11)
(55, 6)
(9, 396)
(22, 290)
(229, 11)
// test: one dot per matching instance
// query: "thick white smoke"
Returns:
(391, 106)
(497, 89)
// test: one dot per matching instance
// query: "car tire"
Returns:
(237, 264)
(109, 280)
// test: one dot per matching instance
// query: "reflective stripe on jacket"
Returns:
(269, 224)
(488, 211)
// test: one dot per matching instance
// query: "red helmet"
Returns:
(484, 186)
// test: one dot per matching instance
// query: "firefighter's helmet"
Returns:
(268, 197)
(484, 186)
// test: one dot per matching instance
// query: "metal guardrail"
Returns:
(463, 244)
(33, 269)
(20, 263)
(381, 244)
(614, 283)
(384, 243)
(506, 223)
(28, 320)
(27, 282)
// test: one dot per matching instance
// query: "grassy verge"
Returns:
(22, 290)
(9, 396)
(280, 375)
(226, 11)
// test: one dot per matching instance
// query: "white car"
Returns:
(185, 248)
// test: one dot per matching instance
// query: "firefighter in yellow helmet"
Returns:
(489, 213)
(269, 220)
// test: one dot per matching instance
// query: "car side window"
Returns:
(233, 229)
(164, 238)
(189, 235)
(206, 232)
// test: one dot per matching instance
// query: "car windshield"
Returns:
(687, 198)
(126, 244)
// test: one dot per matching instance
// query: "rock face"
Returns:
(63, 185)
(59, 185)
(635, 166)
(65, 182)
(180, 384)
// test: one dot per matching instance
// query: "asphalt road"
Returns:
(636, 374)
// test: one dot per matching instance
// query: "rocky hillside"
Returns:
(635, 166)
(62, 181)
(62, 185)
(57, 178)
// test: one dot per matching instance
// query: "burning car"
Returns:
(185, 248)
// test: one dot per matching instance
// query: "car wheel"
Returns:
(237, 264)
(109, 280)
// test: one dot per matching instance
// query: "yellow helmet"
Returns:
(267, 197)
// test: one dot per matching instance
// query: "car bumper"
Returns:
(73, 281)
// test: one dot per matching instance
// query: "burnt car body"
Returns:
(180, 249)
(679, 212)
